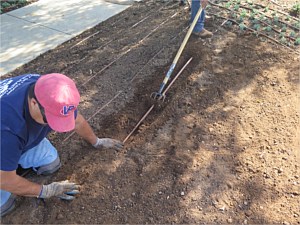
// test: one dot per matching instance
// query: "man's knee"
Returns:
(49, 168)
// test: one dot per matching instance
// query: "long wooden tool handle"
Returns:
(187, 36)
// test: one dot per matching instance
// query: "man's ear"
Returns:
(33, 103)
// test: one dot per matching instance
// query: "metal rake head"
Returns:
(159, 96)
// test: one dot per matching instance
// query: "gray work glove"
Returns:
(63, 190)
(108, 143)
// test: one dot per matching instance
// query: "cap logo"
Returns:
(66, 108)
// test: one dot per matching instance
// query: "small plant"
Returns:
(5, 5)
(297, 25)
(266, 9)
(276, 19)
(288, 18)
(252, 16)
(262, 17)
(240, 19)
(292, 34)
(11, 4)
(242, 26)
(268, 21)
(256, 27)
(254, 11)
(295, 10)
(229, 23)
(283, 29)
(297, 42)
(268, 28)
(244, 13)
(227, 5)
(283, 40)
(255, 21)
(236, 7)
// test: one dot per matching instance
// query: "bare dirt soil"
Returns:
(222, 148)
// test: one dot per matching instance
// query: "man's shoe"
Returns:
(203, 33)
(8, 206)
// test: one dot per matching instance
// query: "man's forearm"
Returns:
(19, 185)
(84, 130)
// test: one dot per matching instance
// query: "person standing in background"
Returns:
(199, 29)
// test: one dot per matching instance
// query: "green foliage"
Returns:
(283, 40)
(268, 28)
(297, 25)
(11, 3)
(292, 34)
(283, 29)
(296, 9)
(227, 5)
(229, 23)
(254, 11)
(268, 21)
(288, 18)
(266, 9)
(242, 26)
(276, 19)
(5, 5)
(262, 17)
(244, 13)
(281, 35)
(256, 27)
(252, 16)
(236, 7)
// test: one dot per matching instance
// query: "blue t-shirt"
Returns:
(19, 131)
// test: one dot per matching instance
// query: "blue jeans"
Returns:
(200, 23)
(43, 158)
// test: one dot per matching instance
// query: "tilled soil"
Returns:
(222, 148)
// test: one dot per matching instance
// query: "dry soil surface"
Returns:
(222, 148)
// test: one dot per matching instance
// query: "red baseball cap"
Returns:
(59, 96)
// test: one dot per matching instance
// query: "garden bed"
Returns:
(222, 147)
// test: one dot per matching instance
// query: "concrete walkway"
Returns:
(32, 30)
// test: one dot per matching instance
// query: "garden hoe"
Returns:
(159, 95)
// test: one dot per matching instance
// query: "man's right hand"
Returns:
(108, 143)
(63, 190)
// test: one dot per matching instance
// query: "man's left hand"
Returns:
(108, 143)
